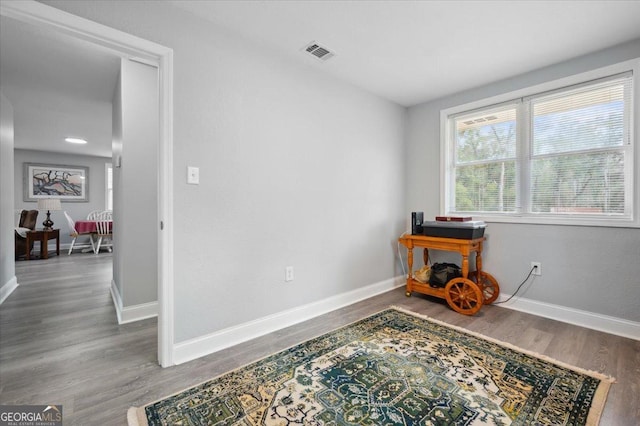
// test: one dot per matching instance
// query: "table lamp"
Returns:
(49, 204)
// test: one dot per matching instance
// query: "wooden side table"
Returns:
(466, 294)
(43, 235)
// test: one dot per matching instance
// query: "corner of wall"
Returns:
(8, 288)
(134, 313)
(7, 216)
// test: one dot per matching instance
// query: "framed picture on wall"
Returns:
(68, 183)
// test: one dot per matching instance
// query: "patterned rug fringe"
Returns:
(136, 416)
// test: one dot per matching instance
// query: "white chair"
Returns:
(104, 232)
(75, 234)
(93, 215)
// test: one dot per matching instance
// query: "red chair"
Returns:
(75, 234)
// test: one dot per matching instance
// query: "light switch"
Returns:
(193, 175)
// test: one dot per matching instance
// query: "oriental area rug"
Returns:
(392, 368)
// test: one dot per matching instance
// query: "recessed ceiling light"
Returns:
(75, 140)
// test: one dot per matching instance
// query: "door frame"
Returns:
(129, 46)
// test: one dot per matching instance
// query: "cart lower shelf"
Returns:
(463, 295)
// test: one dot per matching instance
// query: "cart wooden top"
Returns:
(441, 243)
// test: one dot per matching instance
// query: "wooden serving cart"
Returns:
(465, 294)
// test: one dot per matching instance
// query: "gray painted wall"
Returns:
(594, 269)
(136, 202)
(299, 169)
(7, 217)
(76, 210)
(296, 169)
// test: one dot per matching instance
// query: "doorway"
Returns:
(129, 46)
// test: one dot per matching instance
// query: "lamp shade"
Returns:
(49, 204)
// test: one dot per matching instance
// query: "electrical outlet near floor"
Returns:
(538, 268)
(288, 273)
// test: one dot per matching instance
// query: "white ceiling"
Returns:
(59, 87)
(414, 51)
(408, 52)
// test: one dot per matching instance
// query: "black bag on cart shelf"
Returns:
(442, 273)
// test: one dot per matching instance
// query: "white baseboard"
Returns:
(64, 247)
(608, 324)
(131, 313)
(7, 288)
(205, 345)
(208, 344)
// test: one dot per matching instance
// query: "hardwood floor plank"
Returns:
(60, 343)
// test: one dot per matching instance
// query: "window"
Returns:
(579, 141)
(108, 186)
(485, 161)
(560, 155)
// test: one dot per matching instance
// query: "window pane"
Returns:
(579, 184)
(486, 187)
(566, 153)
(486, 136)
(588, 118)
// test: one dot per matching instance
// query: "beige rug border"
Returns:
(136, 415)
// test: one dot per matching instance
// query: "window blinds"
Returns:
(485, 160)
(578, 148)
(567, 152)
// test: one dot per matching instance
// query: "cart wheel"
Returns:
(464, 296)
(489, 286)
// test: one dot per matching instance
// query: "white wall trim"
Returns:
(117, 300)
(131, 313)
(205, 345)
(605, 323)
(7, 288)
(64, 247)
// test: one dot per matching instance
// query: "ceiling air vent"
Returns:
(318, 51)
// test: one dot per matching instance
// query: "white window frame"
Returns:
(633, 179)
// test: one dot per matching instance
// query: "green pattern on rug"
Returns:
(392, 368)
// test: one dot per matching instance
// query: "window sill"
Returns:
(555, 220)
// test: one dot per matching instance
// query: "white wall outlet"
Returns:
(538, 268)
(288, 273)
(193, 175)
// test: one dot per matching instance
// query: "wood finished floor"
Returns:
(60, 343)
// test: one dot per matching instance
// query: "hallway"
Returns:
(60, 342)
